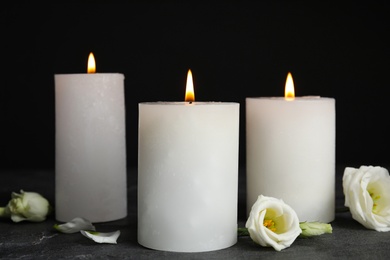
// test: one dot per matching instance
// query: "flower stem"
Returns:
(2, 212)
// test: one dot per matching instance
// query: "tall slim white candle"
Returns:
(291, 154)
(188, 175)
(90, 178)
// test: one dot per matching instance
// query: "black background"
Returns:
(236, 49)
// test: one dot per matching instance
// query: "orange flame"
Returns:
(289, 93)
(91, 64)
(190, 94)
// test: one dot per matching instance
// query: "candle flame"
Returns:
(289, 93)
(91, 64)
(190, 94)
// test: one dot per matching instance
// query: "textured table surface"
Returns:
(25, 240)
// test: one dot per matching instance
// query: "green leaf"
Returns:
(242, 232)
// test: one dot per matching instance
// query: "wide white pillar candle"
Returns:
(90, 177)
(188, 175)
(290, 150)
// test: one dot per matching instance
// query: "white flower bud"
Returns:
(29, 206)
(310, 229)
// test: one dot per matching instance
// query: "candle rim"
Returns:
(89, 74)
(187, 103)
(296, 99)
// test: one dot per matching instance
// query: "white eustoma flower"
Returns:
(273, 223)
(367, 194)
(29, 206)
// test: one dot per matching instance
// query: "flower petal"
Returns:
(17, 218)
(99, 237)
(75, 225)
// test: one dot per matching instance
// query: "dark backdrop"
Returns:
(236, 49)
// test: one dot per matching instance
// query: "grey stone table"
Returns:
(24, 240)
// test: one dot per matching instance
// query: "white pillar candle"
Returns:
(188, 175)
(291, 154)
(90, 177)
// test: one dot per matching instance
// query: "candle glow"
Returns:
(91, 64)
(190, 94)
(289, 88)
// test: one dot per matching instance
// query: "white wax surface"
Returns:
(90, 147)
(188, 175)
(291, 154)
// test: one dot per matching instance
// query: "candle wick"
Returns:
(190, 102)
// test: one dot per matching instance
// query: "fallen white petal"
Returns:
(100, 237)
(75, 225)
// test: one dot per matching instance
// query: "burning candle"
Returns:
(188, 174)
(291, 152)
(90, 177)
